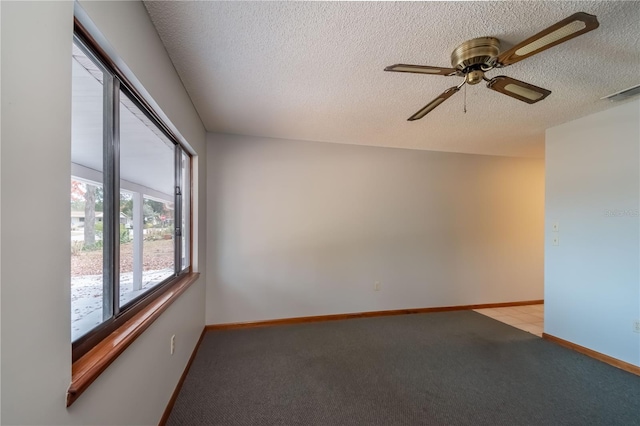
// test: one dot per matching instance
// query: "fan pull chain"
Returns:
(465, 99)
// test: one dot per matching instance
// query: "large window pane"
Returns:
(147, 172)
(86, 195)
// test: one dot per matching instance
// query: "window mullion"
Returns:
(177, 217)
(111, 210)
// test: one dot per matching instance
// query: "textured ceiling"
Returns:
(314, 70)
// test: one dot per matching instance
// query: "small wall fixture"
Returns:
(624, 94)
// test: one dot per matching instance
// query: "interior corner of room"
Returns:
(315, 203)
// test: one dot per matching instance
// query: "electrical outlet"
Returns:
(555, 240)
(173, 344)
(556, 227)
(636, 326)
(376, 286)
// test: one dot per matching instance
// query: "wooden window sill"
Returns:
(87, 369)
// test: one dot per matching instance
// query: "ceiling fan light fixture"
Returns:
(552, 37)
(474, 77)
(523, 91)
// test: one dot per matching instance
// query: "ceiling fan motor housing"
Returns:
(475, 55)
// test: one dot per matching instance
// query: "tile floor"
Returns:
(528, 317)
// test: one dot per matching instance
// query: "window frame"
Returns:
(114, 83)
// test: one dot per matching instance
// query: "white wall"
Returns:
(35, 166)
(306, 228)
(592, 279)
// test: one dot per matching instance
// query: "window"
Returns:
(130, 201)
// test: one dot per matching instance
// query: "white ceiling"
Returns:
(314, 70)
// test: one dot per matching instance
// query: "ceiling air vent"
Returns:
(624, 94)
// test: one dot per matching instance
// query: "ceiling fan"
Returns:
(473, 58)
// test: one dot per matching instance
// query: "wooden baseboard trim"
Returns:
(593, 354)
(176, 391)
(335, 317)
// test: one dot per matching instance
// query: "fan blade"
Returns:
(520, 90)
(573, 26)
(421, 69)
(434, 103)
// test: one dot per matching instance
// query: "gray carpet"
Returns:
(449, 368)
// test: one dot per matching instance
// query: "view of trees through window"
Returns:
(87, 249)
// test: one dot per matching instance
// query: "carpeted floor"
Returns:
(449, 368)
